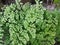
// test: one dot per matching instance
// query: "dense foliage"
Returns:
(56, 1)
(27, 24)
(58, 27)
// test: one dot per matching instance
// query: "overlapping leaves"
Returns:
(28, 24)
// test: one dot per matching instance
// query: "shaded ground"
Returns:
(57, 43)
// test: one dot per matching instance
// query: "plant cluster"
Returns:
(27, 24)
